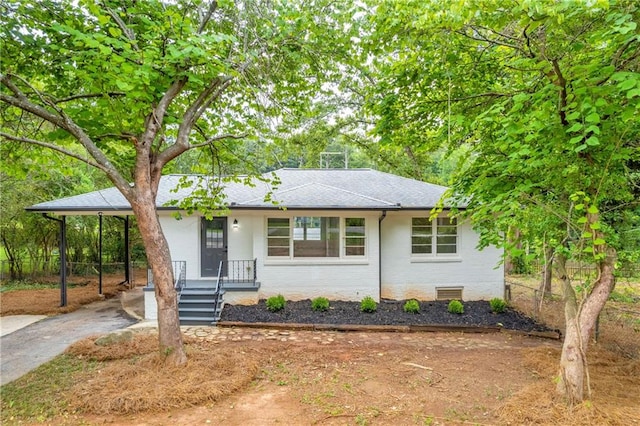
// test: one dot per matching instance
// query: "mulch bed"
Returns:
(389, 313)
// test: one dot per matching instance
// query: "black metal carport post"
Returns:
(127, 255)
(63, 257)
(100, 253)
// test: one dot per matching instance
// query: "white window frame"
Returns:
(342, 239)
(345, 238)
(435, 237)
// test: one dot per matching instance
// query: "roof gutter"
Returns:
(384, 214)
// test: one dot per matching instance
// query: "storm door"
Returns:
(213, 246)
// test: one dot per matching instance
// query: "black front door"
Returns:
(213, 243)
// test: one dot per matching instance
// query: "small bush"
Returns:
(456, 307)
(368, 305)
(412, 306)
(320, 304)
(497, 305)
(276, 303)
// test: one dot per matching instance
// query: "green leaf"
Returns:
(593, 141)
(633, 93)
(115, 32)
(599, 242)
(593, 209)
(593, 118)
(575, 127)
(123, 85)
(573, 115)
(627, 84)
(587, 234)
(593, 129)
(574, 140)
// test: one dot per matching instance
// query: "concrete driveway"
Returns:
(26, 348)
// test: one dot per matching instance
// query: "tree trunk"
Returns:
(547, 272)
(572, 362)
(580, 325)
(159, 257)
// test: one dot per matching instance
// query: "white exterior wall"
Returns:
(240, 239)
(183, 236)
(406, 276)
(344, 278)
(150, 304)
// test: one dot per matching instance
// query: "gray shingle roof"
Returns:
(298, 189)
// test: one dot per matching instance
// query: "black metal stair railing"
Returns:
(179, 274)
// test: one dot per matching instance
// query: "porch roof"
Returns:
(321, 189)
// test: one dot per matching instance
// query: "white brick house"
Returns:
(338, 233)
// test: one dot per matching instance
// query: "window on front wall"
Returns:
(316, 236)
(278, 237)
(434, 237)
(354, 236)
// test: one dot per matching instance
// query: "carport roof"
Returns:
(320, 189)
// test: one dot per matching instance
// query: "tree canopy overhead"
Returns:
(545, 98)
(129, 86)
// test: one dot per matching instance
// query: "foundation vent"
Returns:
(449, 293)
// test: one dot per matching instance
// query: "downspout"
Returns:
(63, 257)
(384, 214)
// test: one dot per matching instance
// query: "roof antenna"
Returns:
(325, 162)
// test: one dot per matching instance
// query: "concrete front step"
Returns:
(200, 306)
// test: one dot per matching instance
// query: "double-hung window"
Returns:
(437, 237)
(315, 236)
(354, 236)
(278, 236)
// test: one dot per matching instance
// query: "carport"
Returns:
(102, 203)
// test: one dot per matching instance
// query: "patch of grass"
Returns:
(42, 393)
(624, 295)
(25, 285)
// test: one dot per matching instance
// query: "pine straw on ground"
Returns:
(133, 377)
(615, 399)
(47, 301)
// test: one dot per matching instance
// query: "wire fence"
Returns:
(578, 270)
(50, 270)
(618, 326)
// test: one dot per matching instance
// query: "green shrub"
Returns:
(320, 304)
(411, 306)
(368, 305)
(456, 307)
(497, 305)
(276, 303)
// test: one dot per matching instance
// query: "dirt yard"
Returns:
(335, 378)
(46, 301)
(246, 376)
